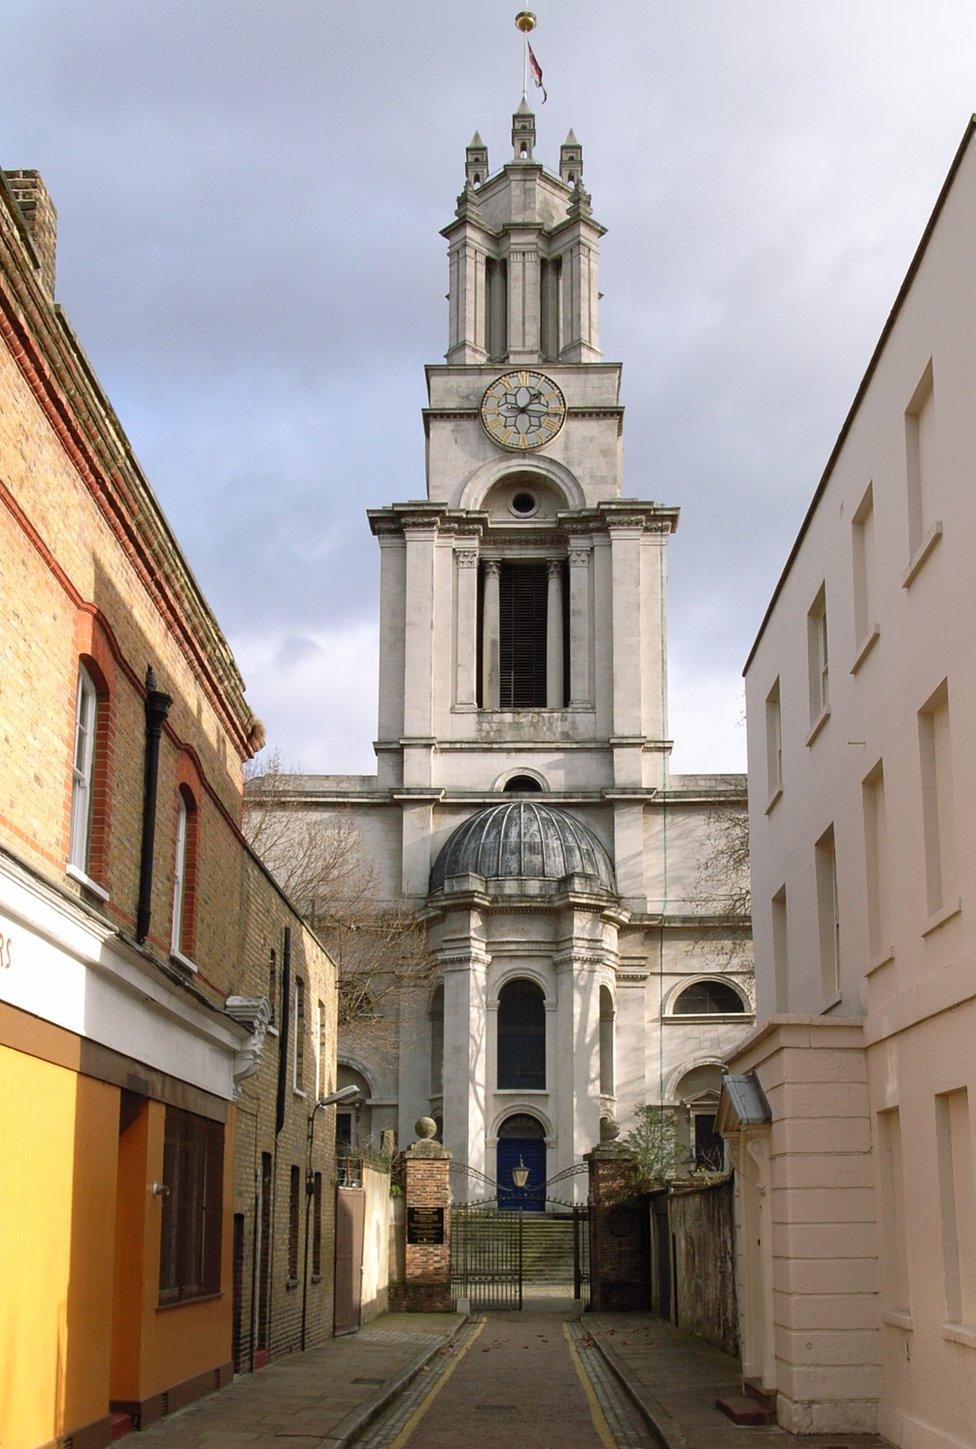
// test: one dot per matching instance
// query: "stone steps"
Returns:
(547, 1249)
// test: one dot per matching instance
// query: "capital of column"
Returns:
(467, 558)
(580, 557)
(555, 568)
(492, 567)
(474, 959)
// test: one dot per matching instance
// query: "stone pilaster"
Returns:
(490, 637)
(465, 968)
(579, 626)
(466, 622)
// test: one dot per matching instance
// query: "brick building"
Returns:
(166, 1020)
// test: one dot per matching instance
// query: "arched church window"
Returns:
(708, 998)
(606, 1041)
(353, 1124)
(521, 1124)
(521, 1037)
(519, 784)
(437, 1042)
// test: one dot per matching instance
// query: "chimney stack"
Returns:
(40, 217)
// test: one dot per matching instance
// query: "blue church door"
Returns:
(514, 1153)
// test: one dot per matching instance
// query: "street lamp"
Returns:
(520, 1174)
(350, 1096)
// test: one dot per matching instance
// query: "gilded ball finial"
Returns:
(525, 21)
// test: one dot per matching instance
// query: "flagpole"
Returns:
(525, 21)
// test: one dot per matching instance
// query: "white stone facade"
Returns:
(858, 1200)
(593, 740)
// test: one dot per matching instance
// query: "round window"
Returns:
(524, 504)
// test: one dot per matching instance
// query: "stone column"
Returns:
(466, 621)
(490, 637)
(524, 310)
(554, 636)
(418, 680)
(465, 970)
(579, 627)
(427, 1226)
(466, 339)
(628, 653)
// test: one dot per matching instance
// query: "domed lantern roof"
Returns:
(523, 845)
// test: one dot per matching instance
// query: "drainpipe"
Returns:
(283, 1030)
(157, 708)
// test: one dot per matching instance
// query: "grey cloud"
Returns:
(250, 196)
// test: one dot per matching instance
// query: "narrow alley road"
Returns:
(530, 1378)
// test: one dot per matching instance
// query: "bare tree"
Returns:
(723, 885)
(379, 946)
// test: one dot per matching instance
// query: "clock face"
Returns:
(523, 410)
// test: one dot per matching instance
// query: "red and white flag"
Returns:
(536, 70)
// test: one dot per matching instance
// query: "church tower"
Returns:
(522, 800)
(523, 603)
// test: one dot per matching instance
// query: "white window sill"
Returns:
(297, 1092)
(776, 795)
(950, 909)
(884, 957)
(705, 1018)
(818, 724)
(75, 873)
(963, 1333)
(527, 709)
(518, 1092)
(865, 647)
(897, 1319)
(831, 1002)
(184, 961)
(921, 554)
(272, 1030)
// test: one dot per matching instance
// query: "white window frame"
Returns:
(82, 770)
(774, 744)
(179, 875)
(818, 662)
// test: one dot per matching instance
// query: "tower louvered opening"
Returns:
(523, 612)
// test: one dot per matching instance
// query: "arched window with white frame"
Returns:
(184, 877)
(83, 770)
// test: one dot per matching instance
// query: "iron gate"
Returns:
(581, 1255)
(486, 1257)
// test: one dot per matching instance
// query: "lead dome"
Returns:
(524, 841)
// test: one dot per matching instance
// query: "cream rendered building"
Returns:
(522, 796)
(852, 1109)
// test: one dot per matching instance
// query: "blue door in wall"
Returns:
(531, 1153)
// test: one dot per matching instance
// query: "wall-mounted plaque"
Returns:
(425, 1225)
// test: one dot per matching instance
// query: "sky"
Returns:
(250, 195)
